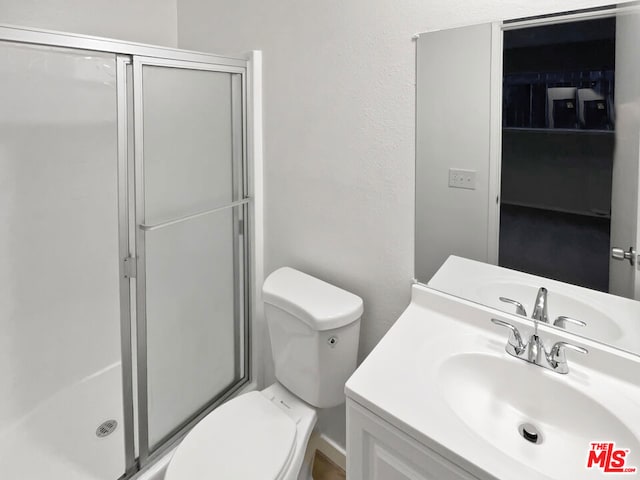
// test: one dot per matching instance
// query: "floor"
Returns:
(555, 245)
(325, 469)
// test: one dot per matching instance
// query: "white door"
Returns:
(623, 276)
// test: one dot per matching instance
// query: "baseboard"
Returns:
(329, 448)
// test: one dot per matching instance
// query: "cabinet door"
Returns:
(378, 451)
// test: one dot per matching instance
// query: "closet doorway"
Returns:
(565, 164)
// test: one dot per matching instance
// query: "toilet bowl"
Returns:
(256, 435)
(262, 435)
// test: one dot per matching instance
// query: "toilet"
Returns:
(314, 329)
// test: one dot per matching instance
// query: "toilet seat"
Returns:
(245, 439)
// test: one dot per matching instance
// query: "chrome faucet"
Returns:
(534, 351)
(535, 348)
(540, 311)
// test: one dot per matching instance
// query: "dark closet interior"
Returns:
(557, 151)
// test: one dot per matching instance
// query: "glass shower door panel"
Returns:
(60, 358)
(188, 148)
(192, 319)
(191, 175)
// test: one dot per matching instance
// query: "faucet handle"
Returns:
(557, 358)
(562, 321)
(519, 307)
(515, 339)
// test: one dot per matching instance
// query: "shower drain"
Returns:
(106, 428)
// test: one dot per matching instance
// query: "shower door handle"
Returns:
(186, 218)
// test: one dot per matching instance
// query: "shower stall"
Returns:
(124, 250)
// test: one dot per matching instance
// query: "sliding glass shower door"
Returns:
(190, 211)
(123, 250)
(61, 396)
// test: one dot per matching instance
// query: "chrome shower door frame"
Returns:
(126, 248)
(137, 454)
(240, 247)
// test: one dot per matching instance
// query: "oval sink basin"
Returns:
(493, 396)
(599, 324)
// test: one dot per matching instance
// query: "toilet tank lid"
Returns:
(319, 304)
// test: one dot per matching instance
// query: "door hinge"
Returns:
(241, 227)
(129, 267)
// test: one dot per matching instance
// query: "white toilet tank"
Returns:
(314, 329)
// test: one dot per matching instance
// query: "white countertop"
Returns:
(399, 382)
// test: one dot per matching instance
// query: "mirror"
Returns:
(527, 165)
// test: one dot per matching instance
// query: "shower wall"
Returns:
(59, 279)
(59, 303)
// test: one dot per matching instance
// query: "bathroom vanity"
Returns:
(440, 398)
(378, 450)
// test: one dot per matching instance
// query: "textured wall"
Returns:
(146, 21)
(339, 129)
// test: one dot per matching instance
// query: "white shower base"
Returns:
(57, 440)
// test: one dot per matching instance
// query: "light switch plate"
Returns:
(459, 178)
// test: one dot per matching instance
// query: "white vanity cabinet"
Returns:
(376, 450)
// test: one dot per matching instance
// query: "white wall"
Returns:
(146, 21)
(453, 114)
(339, 129)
